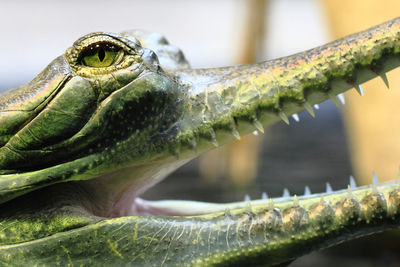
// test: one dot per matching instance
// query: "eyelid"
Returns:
(118, 46)
(131, 52)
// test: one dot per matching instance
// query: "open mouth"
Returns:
(296, 83)
(125, 132)
(143, 207)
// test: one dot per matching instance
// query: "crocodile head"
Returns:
(117, 113)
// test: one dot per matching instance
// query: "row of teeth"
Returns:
(307, 192)
(295, 116)
(307, 106)
(334, 99)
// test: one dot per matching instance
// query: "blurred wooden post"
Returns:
(239, 160)
(372, 121)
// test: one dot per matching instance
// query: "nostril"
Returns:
(153, 56)
(150, 58)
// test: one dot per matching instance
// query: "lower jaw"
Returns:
(141, 207)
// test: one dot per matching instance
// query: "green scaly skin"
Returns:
(79, 144)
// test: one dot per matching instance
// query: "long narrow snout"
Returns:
(225, 103)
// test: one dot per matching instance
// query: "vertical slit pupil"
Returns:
(101, 53)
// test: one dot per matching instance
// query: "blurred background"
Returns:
(356, 139)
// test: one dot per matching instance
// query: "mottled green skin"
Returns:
(74, 135)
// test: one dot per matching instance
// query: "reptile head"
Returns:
(113, 116)
(99, 104)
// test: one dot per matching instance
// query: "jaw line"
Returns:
(198, 208)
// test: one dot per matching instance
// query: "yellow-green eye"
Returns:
(100, 55)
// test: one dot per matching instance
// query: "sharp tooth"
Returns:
(235, 133)
(307, 191)
(255, 132)
(353, 183)
(271, 204)
(316, 106)
(333, 98)
(349, 193)
(341, 98)
(375, 178)
(295, 201)
(283, 116)
(247, 198)
(374, 189)
(193, 144)
(295, 116)
(286, 193)
(308, 107)
(375, 183)
(359, 89)
(258, 125)
(213, 138)
(384, 79)
(248, 207)
(264, 195)
(214, 142)
(329, 188)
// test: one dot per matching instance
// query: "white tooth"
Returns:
(283, 116)
(236, 134)
(271, 204)
(360, 90)
(248, 207)
(255, 133)
(353, 183)
(295, 116)
(308, 107)
(264, 195)
(384, 79)
(349, 193)
(329, 188)
(214, 142)
(375, 178)
(194, 144)
(213, 138)
(286, 193)
(295, 201)
(247, 198)
(258, 125)
(374, 189)
(333, 98)
(375, 183)
(341, 98)
(227, 212)
(307, 191)
(316, 106)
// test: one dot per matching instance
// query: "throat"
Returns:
(115, 194)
